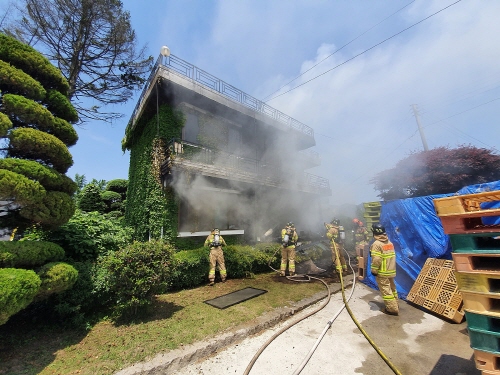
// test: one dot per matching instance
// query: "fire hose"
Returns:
(329, 323)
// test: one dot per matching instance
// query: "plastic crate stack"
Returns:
(372, 216)
(471, 222)
(372, 213)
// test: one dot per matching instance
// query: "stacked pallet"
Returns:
(436, 290)
(372, 216)
(372, 213)
(470, 221)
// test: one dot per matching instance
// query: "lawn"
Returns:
(175, 319)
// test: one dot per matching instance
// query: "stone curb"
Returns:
(169, 362)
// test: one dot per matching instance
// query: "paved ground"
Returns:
(415, 342)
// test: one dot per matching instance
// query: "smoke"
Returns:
(241, 173)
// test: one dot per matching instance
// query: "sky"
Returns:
(351, 70)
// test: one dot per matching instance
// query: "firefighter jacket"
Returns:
(332, 232)
(383, 257)
(362, 235)
(210, 241)
(293, 237)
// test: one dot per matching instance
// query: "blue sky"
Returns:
(360, 109)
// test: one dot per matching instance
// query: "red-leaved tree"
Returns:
(438, 171)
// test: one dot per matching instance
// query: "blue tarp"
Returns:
(416, 231)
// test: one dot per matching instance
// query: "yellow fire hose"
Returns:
(346, 305)
(377, 349)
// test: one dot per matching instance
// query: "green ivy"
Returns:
(151, 210)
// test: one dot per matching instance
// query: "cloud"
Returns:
(360, 111)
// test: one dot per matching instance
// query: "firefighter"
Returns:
(361, 236)
(336, 234)
(215, 242)
(383, 267)
(289, 238)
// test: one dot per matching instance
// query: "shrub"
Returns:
(88, 296)
(138, 272)
(29, 253)
(18, 289)
(245, 261)
(88, 235)
(56, 277)
(90, 199)
(118, 185)
(192, 268)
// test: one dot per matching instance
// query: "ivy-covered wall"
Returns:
(149, 207)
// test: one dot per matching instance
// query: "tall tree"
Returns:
(35, 123)
(438, 171)
(93, 44)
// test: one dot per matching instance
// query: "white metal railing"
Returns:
(181, 67)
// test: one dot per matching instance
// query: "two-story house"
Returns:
(234, 162)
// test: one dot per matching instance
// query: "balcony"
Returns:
(182, 155)
(191, 84)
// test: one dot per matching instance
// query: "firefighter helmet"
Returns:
(216, 231)
(378, 229)
(335, 222)
(357, 222)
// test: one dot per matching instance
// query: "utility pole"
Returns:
(415, 112)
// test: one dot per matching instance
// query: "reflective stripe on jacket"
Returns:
(383, 257)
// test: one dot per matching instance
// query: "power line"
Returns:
(361, 53)
(443, 120)
(345, 45)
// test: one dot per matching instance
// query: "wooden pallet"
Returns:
(436, 290)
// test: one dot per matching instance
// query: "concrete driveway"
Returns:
(415, 342)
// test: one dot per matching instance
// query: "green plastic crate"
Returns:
(475, 243)
(482, 322)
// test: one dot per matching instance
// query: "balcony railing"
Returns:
(255, 170)
(182, 68)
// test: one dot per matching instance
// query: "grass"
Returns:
(175, 319)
